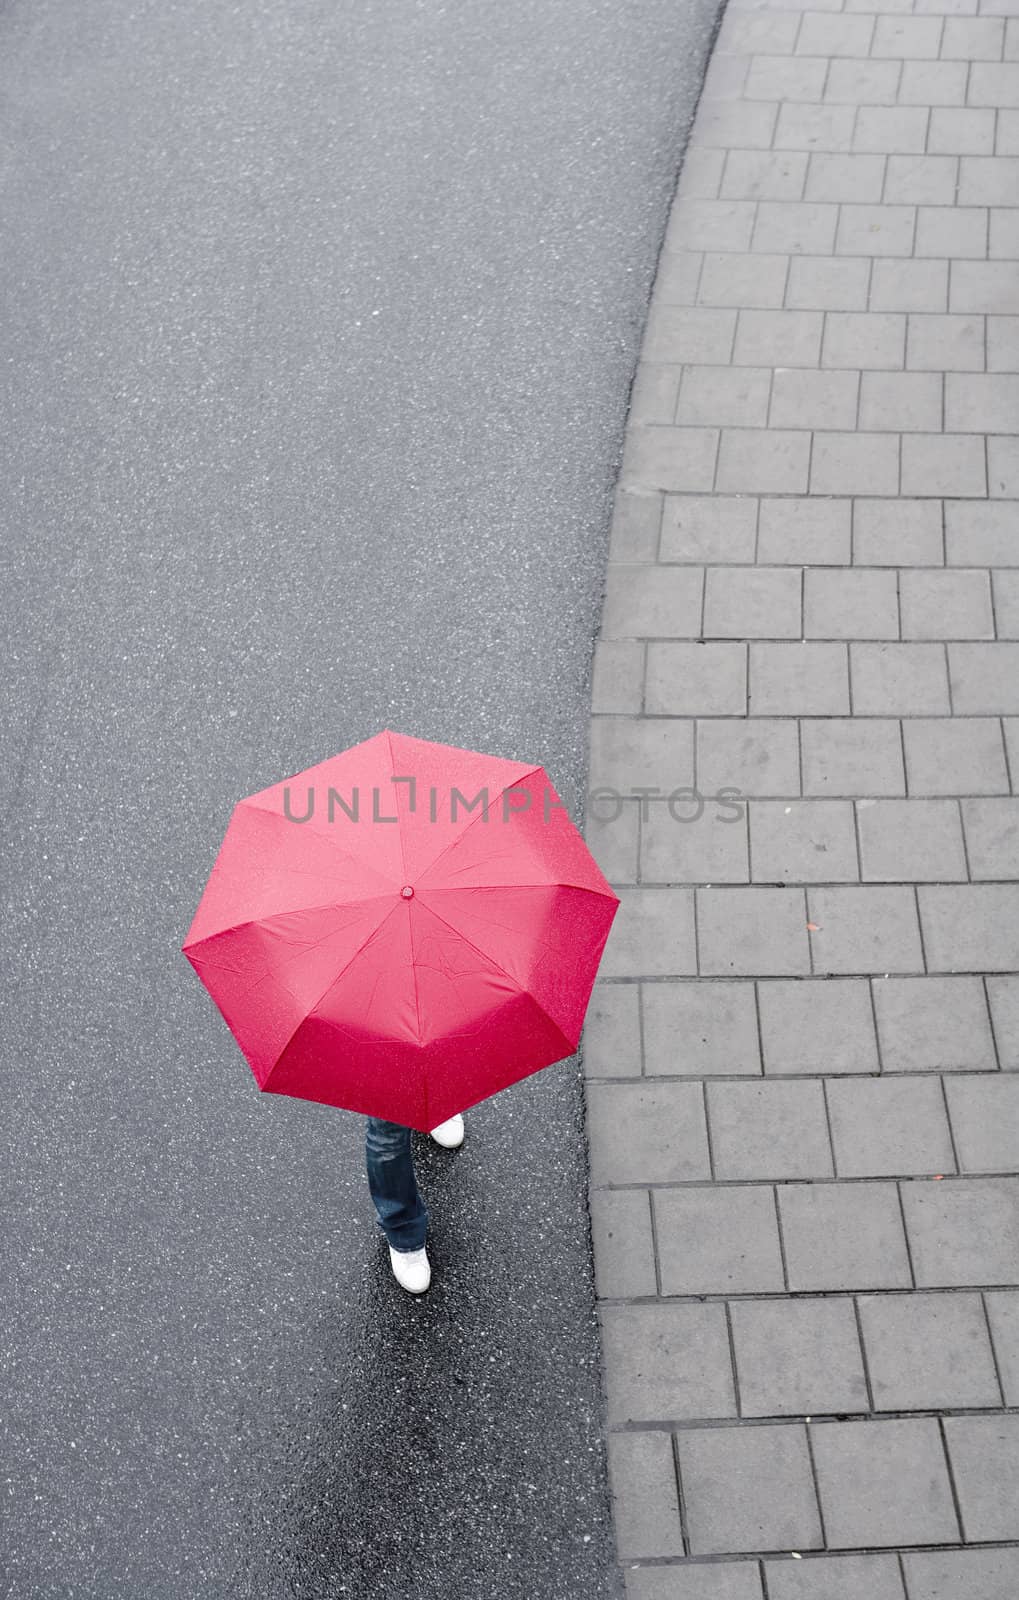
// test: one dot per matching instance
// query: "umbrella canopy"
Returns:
(402, 930)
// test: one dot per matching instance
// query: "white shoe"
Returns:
(411, 1269)
(450, 1134)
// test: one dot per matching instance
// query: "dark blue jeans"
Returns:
(402, 1214)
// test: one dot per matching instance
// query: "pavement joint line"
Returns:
(951, 1479)
(993, 1347)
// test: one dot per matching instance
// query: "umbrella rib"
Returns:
(481, 817)
(333, 980)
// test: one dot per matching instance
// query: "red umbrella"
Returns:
(402, 930)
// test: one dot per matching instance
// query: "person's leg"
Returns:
(402, 1214)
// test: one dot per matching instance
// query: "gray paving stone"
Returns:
(985, 1121)
(842, 756)
(916, 286)
(910, 841)
(670, 458)
(798, 679)
(679, 846)
(992, 837)
(708, 528)
(945, 464)
(859, 83)
(897, 533)
(1003, 997)
(1003, 466)
(956, 922)
(679, 271)
(757, 756)
(752, 602)
(857, 604)
(852, 463)
(912, 38)
(769, 1130)
(946, 605)
(963, 132)
(927, 180)
(933, 1024)
(1002, 344)
(1003, 1317)
(753, 932)
(975, 1574)
(700, 175)
(613, 842)
(981, 535)
(954, 755)
(636, 519)
(825, 35)
(645, 1497)
(864, 339)
(785, 78)
(984, 402)
(688, 680)
(984, 678)
(813, 531)
(1006, 602)
(710, 225)
(652, 935)
(814, 127)
(724, 397)
(797, 1357)
(984, 1452)
(617, 682)
(701, 1028)
(718, 1240)
(891, 129)
(933, 84)
(722, 125)
(855, 1577)
(654, 393)
(900, 402)
(748, 1489)
(801, 398)
(963, 1232)
(691, 1580)
(832, 283)
(899, 679)
(984, 286)
(803, 841)
(643, 600)
(883, 1483)
(864, 929)
(875, 230)
(751, 34)
(666, 1362)
(988, 180)
(843, 1236)
(756, 461)
(628, 753)
(764, 175)
(778, 338)
(928, 1352)
(624, 1256)
(611, 1044)
(743, 280)
(646, 1132)
(817, 1025)
(954, 231)
(850, 178)
(883, 1127)
(951, 343)
(1010, 729)
(1003, 233)
(973, 39)
(688, 334)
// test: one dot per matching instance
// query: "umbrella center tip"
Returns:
(407, 891)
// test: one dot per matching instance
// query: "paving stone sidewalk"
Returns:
(802, 1058)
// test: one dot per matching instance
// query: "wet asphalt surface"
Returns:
(319, 324)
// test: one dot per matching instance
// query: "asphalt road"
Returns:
(319, 320)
